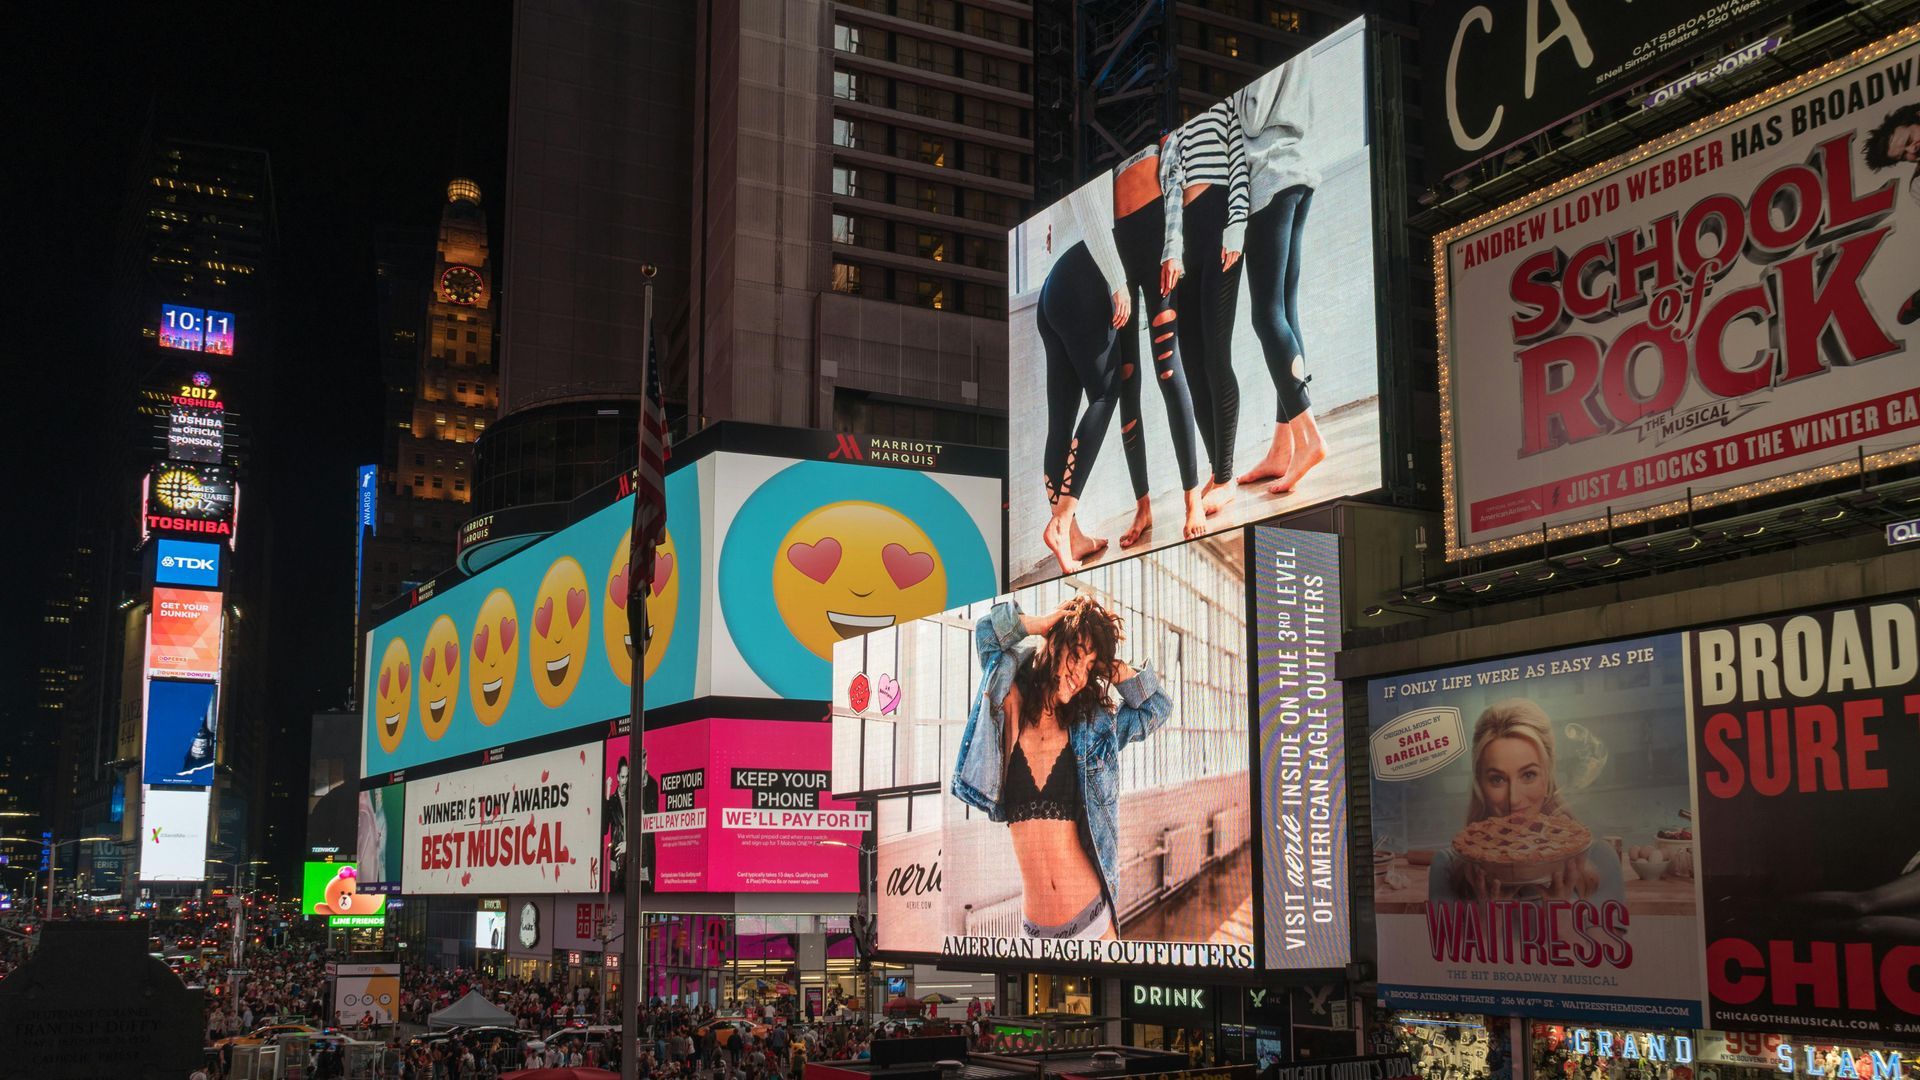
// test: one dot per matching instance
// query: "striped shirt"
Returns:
(1209, 149)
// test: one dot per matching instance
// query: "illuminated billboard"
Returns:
(1120, 834)
(193, 329)
(187, 562)
(529, 824)
(1603, 828)
(1223, 269)
(381, 824)
(767, 562)
(737, 806)
(197, 434)
(1719, 314)
(187, 498)
(331, 890)
(183, 634)
(489, 929)
(173, 834)
(182, 733)
(368, 993)
(1303, 775)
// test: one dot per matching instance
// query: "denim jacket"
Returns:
(981, 768)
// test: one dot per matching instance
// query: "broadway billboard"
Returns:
(1713, 827)
(1716, 315)
(529, 824)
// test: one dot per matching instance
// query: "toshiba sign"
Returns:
(1712, 316)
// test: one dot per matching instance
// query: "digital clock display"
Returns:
(196, 329)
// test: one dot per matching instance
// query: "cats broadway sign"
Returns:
(1720, 314)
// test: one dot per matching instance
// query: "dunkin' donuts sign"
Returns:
(1707, 317)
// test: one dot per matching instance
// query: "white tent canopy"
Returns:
(470, 1010)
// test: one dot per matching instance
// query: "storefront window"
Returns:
(1058, 994)
(1450, 1046)
(1574, 1052)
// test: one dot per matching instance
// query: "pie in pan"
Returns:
(1522, 848)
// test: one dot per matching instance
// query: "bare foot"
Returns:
(1279, 456)
(1142, 522)
(1085, 547)
(1058, 536)
(1196, 524)
(1304, 458)
(1214, 497)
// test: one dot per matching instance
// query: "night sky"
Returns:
(367, 111)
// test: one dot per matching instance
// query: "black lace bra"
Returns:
(1056, 800)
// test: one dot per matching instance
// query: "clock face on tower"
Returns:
(462, 284)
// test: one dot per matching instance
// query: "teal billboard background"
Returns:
(585, 560)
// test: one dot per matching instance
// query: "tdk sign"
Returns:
(1903, 532)
(187, 562)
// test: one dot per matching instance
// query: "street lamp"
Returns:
(53, 859)
(863, 916)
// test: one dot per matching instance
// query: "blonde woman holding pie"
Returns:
(1520, 841)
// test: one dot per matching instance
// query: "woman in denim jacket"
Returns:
(1041, 753)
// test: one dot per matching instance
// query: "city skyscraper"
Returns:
(190, 370)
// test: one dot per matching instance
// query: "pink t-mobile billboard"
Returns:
(744, 806)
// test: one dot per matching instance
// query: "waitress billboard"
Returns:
(1714, 827)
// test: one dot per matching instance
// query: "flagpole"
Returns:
(633, 981)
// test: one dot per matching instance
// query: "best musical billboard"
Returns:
(528, 824)
(1616, 808)
(1303, 767)
(183, 634)
(1229, 269)
(1074, 758)
(743, 806)
(1715, 315)
(767, 562)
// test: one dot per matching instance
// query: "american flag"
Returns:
(650, 501)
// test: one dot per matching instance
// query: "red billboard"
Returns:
(1718, 314)
(183, 634)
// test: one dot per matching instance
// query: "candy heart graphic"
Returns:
(386, 682)
(906, 568)
(405, 670)
(543, 617)
(576, 605)
(617, 587)
(451, 654)
(662, 570)
(426, 665)
(817, 560)
(888, 690)
(858, 693)
(480, 642)
(507, 627)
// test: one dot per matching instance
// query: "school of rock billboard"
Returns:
(1560, 834)
(1717, 314)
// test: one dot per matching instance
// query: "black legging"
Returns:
(1273, 288)
(1075, 316)
(1209, 295)
(1140, 236)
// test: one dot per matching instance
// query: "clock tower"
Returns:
(442, 388)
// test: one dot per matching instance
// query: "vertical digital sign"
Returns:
(1303, 774)
(173, 834)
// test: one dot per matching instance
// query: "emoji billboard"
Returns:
(768, 561)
